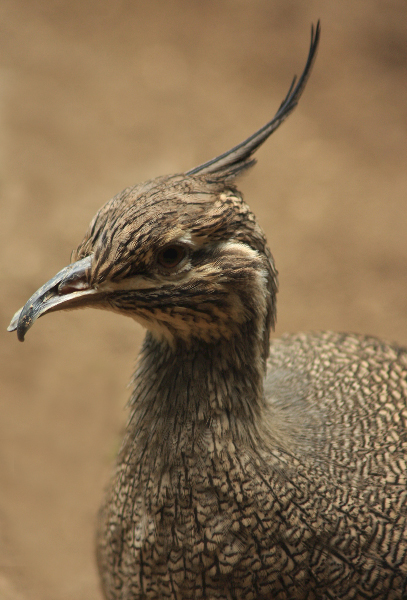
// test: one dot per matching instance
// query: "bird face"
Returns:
(182, 255)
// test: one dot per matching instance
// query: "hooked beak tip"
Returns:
(14, 325)
(53, 295)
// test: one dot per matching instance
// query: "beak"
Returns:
(68, 289)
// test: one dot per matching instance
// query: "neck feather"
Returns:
(184, 393)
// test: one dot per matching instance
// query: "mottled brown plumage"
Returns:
(249, 470)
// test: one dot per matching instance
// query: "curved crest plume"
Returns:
(236, 159)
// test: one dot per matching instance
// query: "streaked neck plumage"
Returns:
(185, 393)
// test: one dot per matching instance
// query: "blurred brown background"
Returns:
(96, 95)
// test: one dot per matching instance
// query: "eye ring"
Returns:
(171, 256)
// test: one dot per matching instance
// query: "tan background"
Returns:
(97, 95)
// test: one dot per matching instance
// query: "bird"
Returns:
(251, 468)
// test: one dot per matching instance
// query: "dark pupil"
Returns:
(171, 256)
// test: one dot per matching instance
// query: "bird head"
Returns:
(183, 254)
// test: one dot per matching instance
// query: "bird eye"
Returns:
(170, 256)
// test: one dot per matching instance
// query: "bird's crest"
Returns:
(231, 163)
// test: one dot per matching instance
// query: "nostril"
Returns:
(74, 278)
(71, 286)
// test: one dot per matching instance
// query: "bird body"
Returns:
(300, 496)
(249, 470)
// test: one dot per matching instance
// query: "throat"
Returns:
(185, 395)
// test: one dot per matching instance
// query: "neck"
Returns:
(184, 394)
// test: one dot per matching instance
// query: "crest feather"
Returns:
(234, 161)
